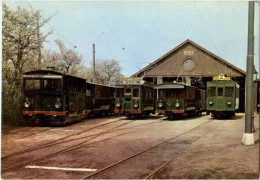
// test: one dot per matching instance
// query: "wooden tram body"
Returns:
(222, 97)
(99, 99)
(53, 98)
(175, 99)
(134, 98)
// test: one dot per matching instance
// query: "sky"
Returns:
(137, 33)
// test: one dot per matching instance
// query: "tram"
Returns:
(222, 97)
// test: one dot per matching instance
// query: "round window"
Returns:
(188, 64)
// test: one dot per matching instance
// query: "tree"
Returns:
(50, 58)
(108, 72)
(69, 60)
(21, 39)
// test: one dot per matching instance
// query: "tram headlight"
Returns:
(177, 104)
(118, 104)
(210, 102)
(57, 104)
(160, 104)
(136, 104)
(229, 103)
(27, 103)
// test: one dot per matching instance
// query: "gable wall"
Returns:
(205, 64)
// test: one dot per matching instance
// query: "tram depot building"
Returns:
(194, 65)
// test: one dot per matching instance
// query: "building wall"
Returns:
(204, 64)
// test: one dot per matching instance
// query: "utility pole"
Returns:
(94, 63)
(248, 137)
(38, 42)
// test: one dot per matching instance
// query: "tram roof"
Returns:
(99, 84)
(47, 73)
(171, 86)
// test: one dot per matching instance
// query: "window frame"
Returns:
(138, 92)
(127, 89)
(32, 79)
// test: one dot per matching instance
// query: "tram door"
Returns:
(220, 98)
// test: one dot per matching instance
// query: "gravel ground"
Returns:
(200, 148)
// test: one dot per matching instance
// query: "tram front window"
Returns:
(175, 93)
(229, 92)
(119, 92)
(211, 91)
(135, 92)
(32, 84)
(162, 93)
(52, 84)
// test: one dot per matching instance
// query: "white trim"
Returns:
(43, 76)
(62, 169)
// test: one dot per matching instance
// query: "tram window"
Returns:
(119, 92)
(52, 84)
(162, 93)
(175, 93)
(127, 90)
(149, 94)
(229, 91)
(32, 84)
(220, 91)
(171, 94)
(211, 91)
(98, 92)
(88, 92)
(135, 92)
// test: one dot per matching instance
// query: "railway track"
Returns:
(17, 130)
(35, 133)
(174, 156)
(53, 142)
(70, 148)
(150, 148)
(56, 142)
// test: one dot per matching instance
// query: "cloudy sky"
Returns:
(137, 33)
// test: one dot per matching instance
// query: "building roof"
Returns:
(148, 68)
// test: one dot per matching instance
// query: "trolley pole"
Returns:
(94, 64)
(248, 137)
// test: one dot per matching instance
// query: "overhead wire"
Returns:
(211, 39)
(122, 15)
(106, 22)
(102, 14)
(206, 28)
(52, 27)
(135, 24)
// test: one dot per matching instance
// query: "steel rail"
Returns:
(17, 130)
(58, 152)
(175, 155)
(54, 142)
(136, 154)
(34, 133)
(74, 146)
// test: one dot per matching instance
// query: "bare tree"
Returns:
(108, 72)
(68, 59)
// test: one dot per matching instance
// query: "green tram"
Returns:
(134, 98)
(52, 98)
(176, 100)
(222, 97)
